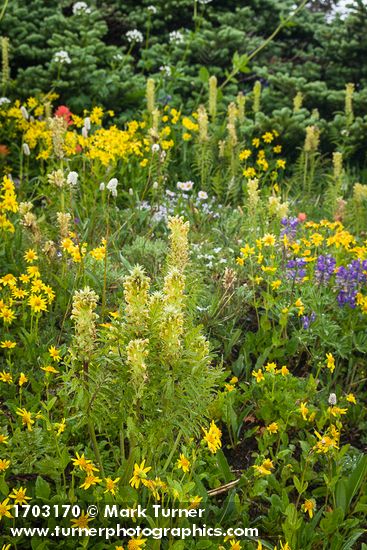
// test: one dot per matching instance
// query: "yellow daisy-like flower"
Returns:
(265, 468)
(309, 506)
(50, 369)
(111, 485)
(7, 344)
(26, 418)
(37, 303)
(4, 509)
(195, 502)
(4, 464)
(183, 463)
(19, 496)
(30, 256)
(82, 521)
(139, 474)
(22, 379)
(258, 375)
(54, 353)
(351, 398)
(268, 137)
(89, 481)
(273, 428)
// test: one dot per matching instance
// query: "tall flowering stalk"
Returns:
(213, 92)
(84, 317)
(349, 92)
(310, 151)
(5, 62)
(256, 96)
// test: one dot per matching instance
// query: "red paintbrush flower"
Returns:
(65, 113)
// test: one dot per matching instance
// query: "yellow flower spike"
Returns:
(330, 362)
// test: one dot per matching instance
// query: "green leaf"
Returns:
(346, 488)
(204, 74)
(42, 489)
(223, 466)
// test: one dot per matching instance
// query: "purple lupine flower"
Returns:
(308, 319)
(324, 269)
(295, 269)
(348, 280)
(289, 227)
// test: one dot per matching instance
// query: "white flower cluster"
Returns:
(86, 127)
(111, 186)
(72, 178)
(134, 36)
(165, 70)
(81, 7)
(24, 112)
(62, 57)
(185, 185)
(26, 149)
(152, 9)
(4, 100)
(176, 37)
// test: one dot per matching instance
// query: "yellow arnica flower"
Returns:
(50, 369)
(8, 344)
(273, 428)
(22, 379)
(89, 481)
(195, 501)
(309, 506)
(4, 509)
(139, 474)
(81, 461)
(183, 463)
(111, 485)
(54, 353)
(19, 496)
(82, 521)
(303, 410)
(37, 303)
(30, 256)
(265, 468)
(258, 375)
(4, 464)
(269, 239)
(351, 398)
(213, 437)
(4, 439)
(26, 418)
